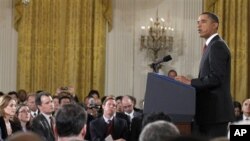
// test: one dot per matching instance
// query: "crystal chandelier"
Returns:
(25, 2)
(156, 37)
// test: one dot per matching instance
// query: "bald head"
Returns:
(127, 104)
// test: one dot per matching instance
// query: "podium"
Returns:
(163, 94)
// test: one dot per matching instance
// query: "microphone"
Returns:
(164, 59)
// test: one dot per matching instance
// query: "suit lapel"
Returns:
(206, 53)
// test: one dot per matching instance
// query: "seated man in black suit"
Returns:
(71, 123)
(108, 124)
(42, 124)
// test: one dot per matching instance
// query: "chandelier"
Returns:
(157, 36)
(25, 2)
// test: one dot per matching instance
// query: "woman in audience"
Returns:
(237, 111)
(7, 111)
(23, 117)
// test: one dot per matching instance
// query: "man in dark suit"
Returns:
(42, 123)
(70, 123)
(108, 124)
(214, 107)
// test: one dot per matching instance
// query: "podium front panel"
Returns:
(163, 94)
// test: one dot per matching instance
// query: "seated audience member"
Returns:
(189, 138)
(128, 107)
(23, 117)
(155, 117)
(7, 112)
(246, 110)
(25, 136)
(64, 100)
(134, 103)
(13, 94)
(22, 96)
(119, 107)
(91, 107)
(108, 125)
(172, 74)
(95, 94)
(42, 123)
(237, 111)
(56, 103)
(1, 93)
(159, 131)
(70, 90)
(138, 123)
(70, 123)
(32, 105)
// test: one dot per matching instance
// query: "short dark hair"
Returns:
(172, 70)
(151, 117)
(39, 95)
(70, 119)
(12, 93)
(64, 97)
(212, 16)
(94, 92)
(118, 98)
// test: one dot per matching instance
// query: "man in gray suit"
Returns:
(214, 107)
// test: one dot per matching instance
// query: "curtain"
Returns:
(62, 43)
(234, 21)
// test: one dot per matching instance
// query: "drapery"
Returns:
(62, 43)
(234, 21)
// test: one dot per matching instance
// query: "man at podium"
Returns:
(214, 108)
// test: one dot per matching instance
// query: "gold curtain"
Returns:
(234, 21)
(62, 43)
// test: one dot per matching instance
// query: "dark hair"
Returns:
(172, 71)
(19, 107)
(70, 119)
(133, 99)
(237, 104)
(39, 95)
(64, 97)
(118, 98)
(154, 117)
(94, 92)
(1, 93)
(212, 16)
(12, 93)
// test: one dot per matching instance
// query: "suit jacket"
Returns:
(41, 126)
(3, 129)
(213, 99)
(98, 129)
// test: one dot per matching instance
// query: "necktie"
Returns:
(34, 115)
(204, 49)
(109, 128)
(51, 122)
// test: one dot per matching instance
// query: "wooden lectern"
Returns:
(163, 94)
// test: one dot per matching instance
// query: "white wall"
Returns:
(8, 48)
(127, 66)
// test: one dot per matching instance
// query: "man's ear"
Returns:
(83, 131)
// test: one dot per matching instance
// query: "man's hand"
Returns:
(183, 79)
